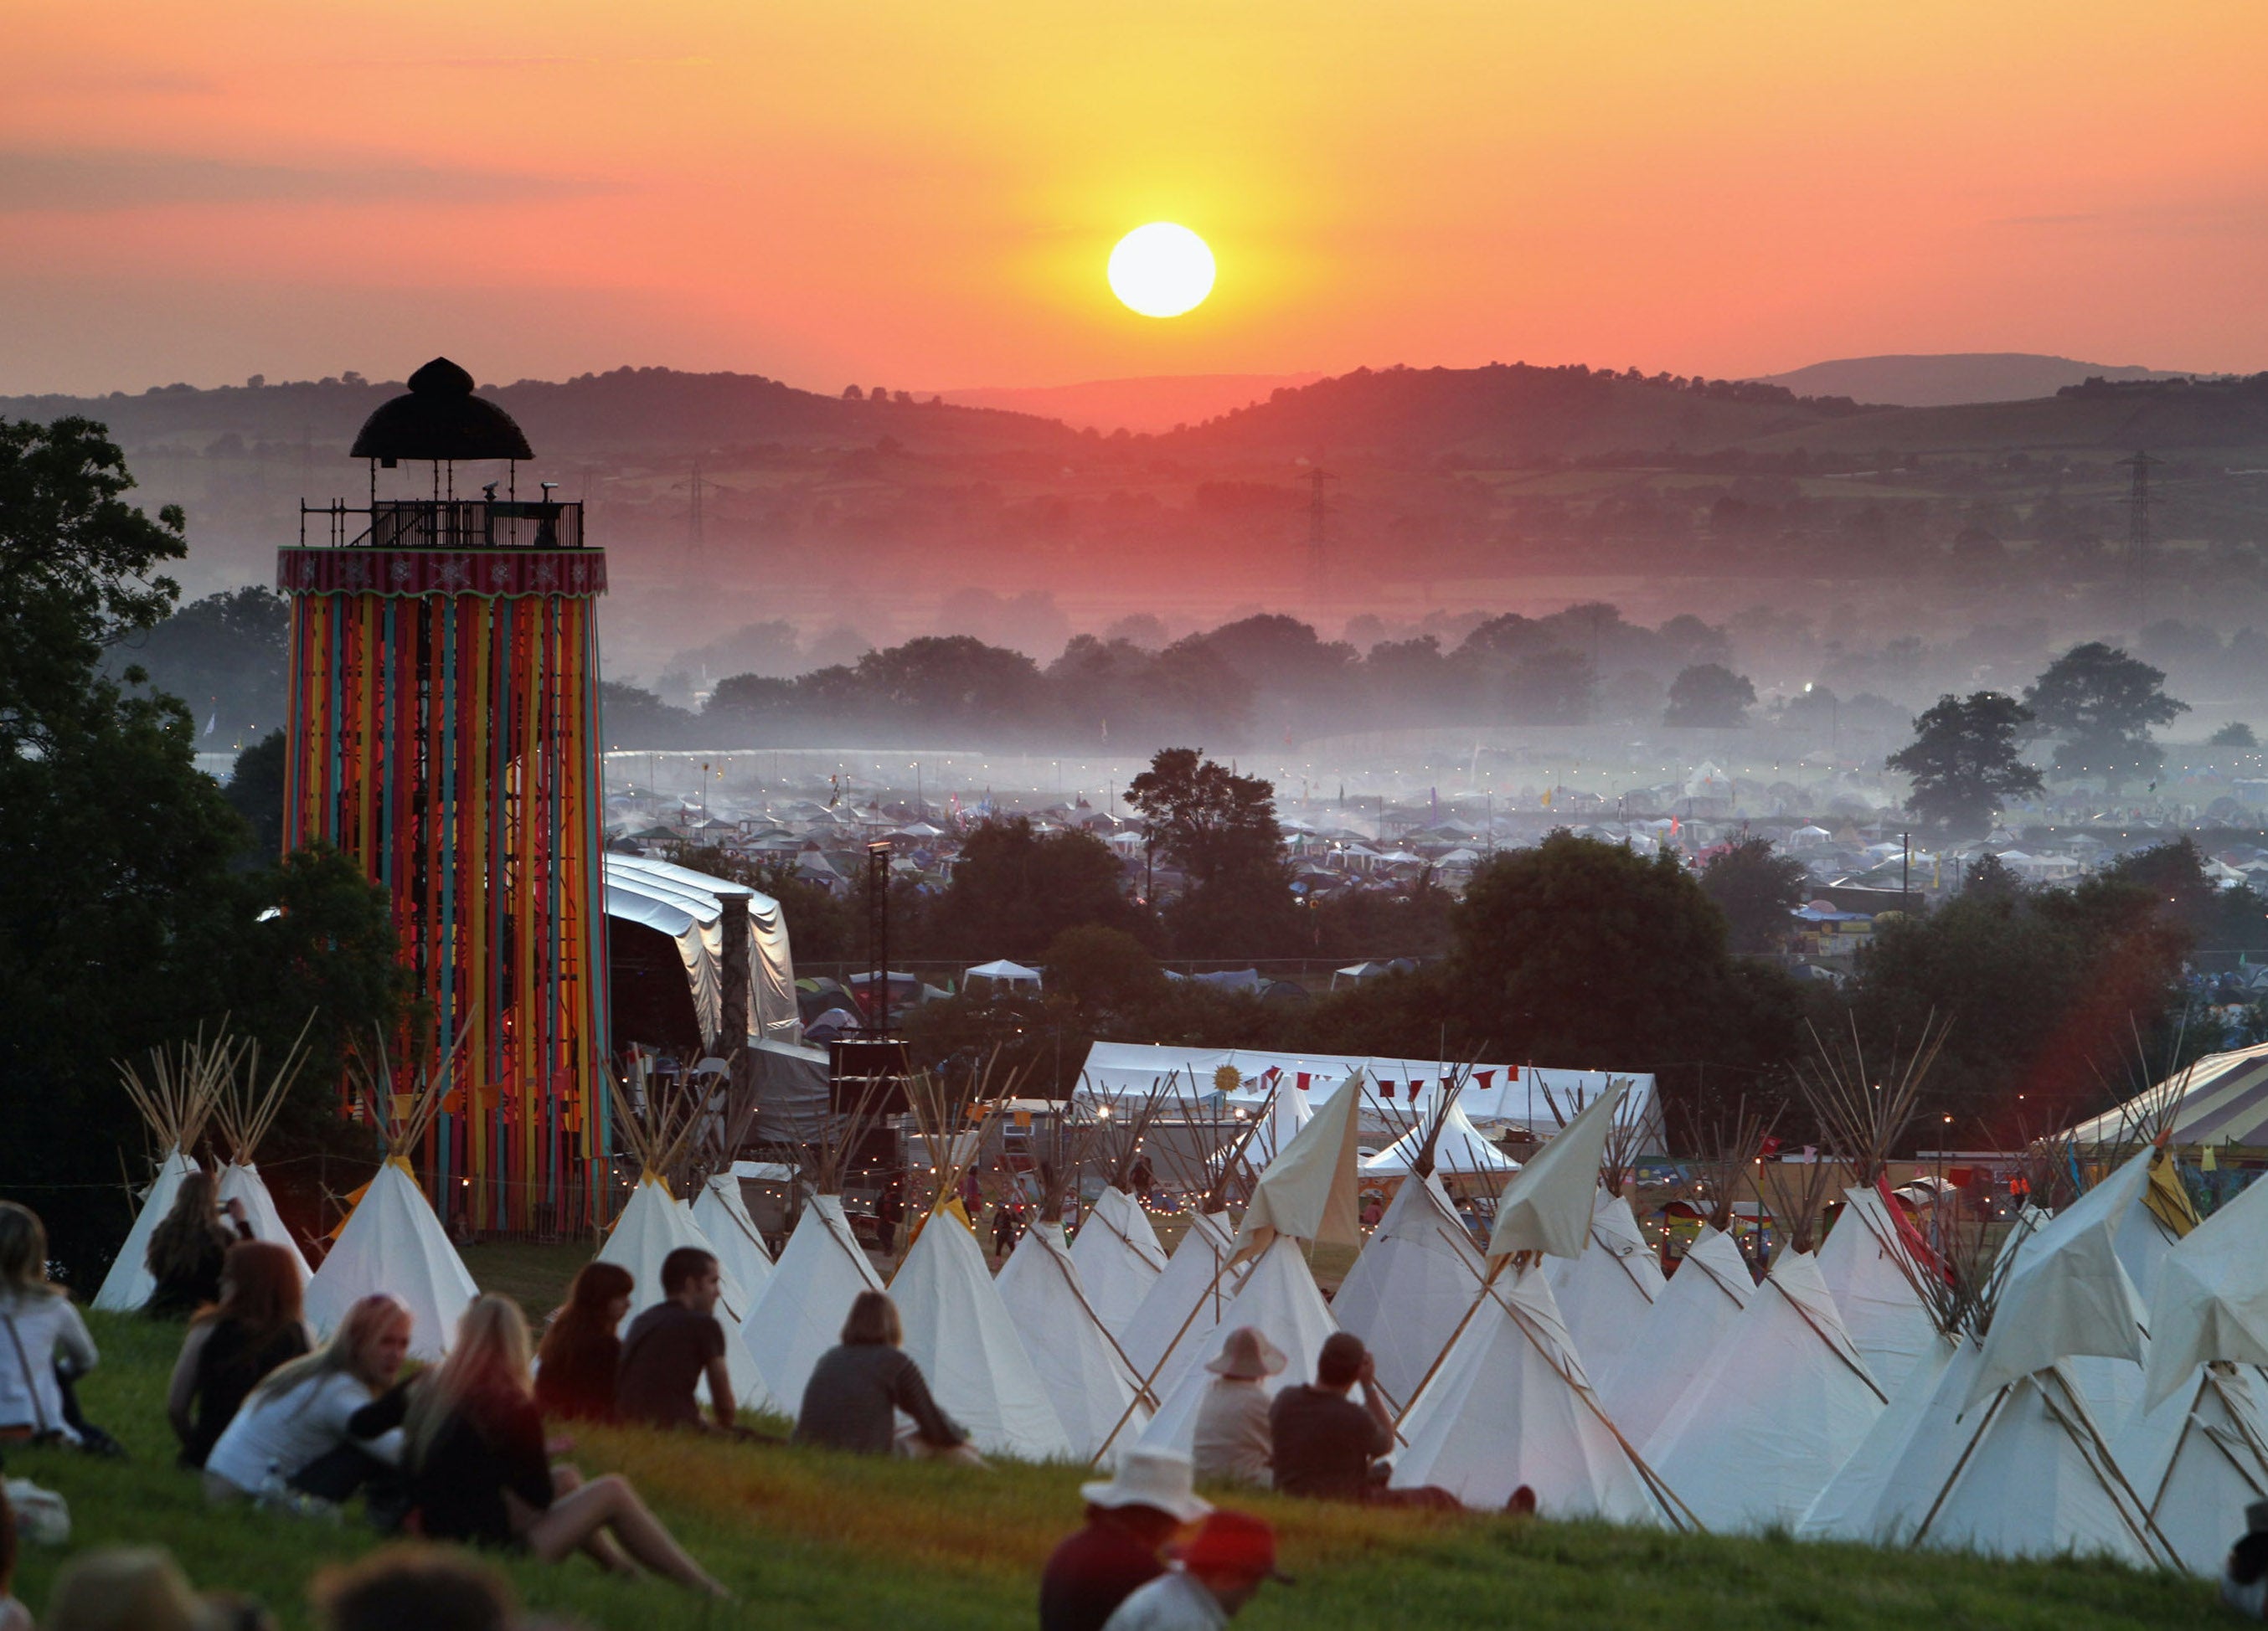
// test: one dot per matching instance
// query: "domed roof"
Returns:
(440, 418)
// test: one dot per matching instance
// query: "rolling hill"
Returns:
(1951, 379)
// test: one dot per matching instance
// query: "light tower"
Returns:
(444, 733)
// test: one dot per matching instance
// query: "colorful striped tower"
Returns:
(444, 732)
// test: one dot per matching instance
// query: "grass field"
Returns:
(812, 1539)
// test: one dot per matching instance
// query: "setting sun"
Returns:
(1161, 270)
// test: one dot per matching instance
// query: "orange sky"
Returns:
(922, 196)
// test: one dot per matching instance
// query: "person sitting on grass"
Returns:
(254, 1328)
(1324, 1442)
(142, 1589)
(1232, 1442)
(1217, 1574)
(189, 1247)
(579, 1357)
(40, 1336)
(2244, 1577)
(291, 1435)
(673, 1346)
(1130, 1517)
(428, 1588)
(857, 1387)
(476, 1462)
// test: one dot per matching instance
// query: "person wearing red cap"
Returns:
(1145, 1503)
(1219, 1571)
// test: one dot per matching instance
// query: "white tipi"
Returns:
(1606, 1294)
(393, 1242)
(1118, 1256)
(1088, 1377)
(129, 1283)
(958, 1330)
(1186, 1302)
(243, 1116)
(1280, 1298)
(1411, 1287)
(1696, 1313)
(1866, 1268)
(723, 1216)
(175, 1101)
(652, 1226)
(799, 1315)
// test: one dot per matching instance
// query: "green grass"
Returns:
(812, 1539)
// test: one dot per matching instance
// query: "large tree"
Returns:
(1015, 890)
(124, 920)
(1711, 695)
(2103, 703)
(1220, 829)
(1963, 761)
(1755, 888)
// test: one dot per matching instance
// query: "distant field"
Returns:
(811, 1539)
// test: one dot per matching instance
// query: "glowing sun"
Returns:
(1161, 270)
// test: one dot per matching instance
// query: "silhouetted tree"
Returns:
(1219, 830)
(1963, 763)
(2102, 702)
(1755, 889)
(1711, 694)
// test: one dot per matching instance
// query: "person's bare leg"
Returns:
(600, 1546)
(609, 1502)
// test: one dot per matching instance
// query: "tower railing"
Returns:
(442, 524)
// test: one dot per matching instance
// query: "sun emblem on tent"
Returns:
(1228, 1079)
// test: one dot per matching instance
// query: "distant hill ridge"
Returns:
(1953, 379)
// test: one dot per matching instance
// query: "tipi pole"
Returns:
(1144, 1391)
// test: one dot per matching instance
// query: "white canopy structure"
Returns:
(1279, 1297)
(1087, 1374)
(799, 1315)
(1281, 1117)
(1411, 1287)
(1005, 972)
(130, 1284)
(394, 1242)
(241, 1181)
(1696, 1312)
(2222, 1099)
(1119, 1258)
(1869, 1271)
(688, 907)
(1185, 1303)
(1510, 1405)
(721, 1214)
(1607, 1295)
(1460, 1150)
(652, 1225)
(1518, 1097)
(959, 1331)
(1777, 1409)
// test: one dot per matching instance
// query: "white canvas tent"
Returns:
(721, 1213)
(1845, 1509)
(394, 1242)
(129, 1283)
(1866, 1270)
(1119, 1258)
(798, 1314)
(1280, 1298)
(1779, 1408)
(652, 1225)
(1005, 972)
(1509, 1404)
(688, 907)
(1411, 1286)
(959, 1331)
(1088, 1377)
(1606, 1294)
(1696, 1312)
(241, 1181)
(1185, 1303)
(1460, 1150)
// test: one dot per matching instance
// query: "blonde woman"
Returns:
(478, 1468)
(39, 1329)
(291, 1434)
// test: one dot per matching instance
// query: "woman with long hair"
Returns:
(189, 1247)
(291, 1434)
(858, 1388)
(254, 1328)
(477, 1464)
(39, 1331)
(576, 1364)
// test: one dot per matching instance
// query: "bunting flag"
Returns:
(444, 733)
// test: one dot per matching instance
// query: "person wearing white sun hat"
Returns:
(1129, 1518)
(1232, 1442)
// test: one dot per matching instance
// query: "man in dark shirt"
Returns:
(1324, 1442)
(1128, 1518)
(672, 1345)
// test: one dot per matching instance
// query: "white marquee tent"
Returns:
(687, 906)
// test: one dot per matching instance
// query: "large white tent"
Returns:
(394, 1242)
(1087, 1374)
(688, 907)
(721, 1213)
(130, 1284)
(1520, 1097)
(1869, 1272)
(799, 1315)
(1607, 1295)
(652, 1225)
(1460, 1150)
(1696, 1312)
(1119, 1258)
(959, 1331)
(1777, 1409)
(1185, 1303)
(1411, 1286)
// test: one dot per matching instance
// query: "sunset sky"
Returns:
(923, 196)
